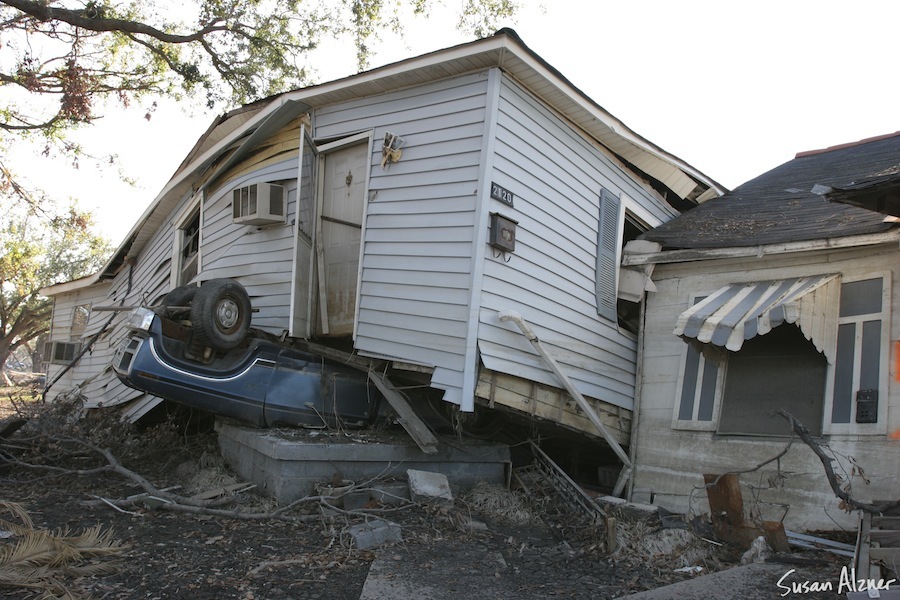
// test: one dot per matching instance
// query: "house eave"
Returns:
(70, 286)
(701, 254)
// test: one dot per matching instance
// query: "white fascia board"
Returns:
(70, 286)
(698, 254)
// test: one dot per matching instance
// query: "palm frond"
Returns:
(17, 511)
(43, 560)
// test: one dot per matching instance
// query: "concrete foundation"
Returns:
(286, 464)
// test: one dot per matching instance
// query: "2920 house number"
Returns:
(502, 194)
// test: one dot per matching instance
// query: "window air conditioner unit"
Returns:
(258, 204)
(60, 353)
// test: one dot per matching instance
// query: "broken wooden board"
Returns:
(414, 426)
(339, 356)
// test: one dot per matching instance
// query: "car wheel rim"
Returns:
(227, 314)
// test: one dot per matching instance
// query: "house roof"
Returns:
(788, 204)
(236, 131)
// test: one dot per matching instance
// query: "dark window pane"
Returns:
(780, 370)
(843, 374)
(707, 391)
(861, 297)
(689, 388)
(870, 359)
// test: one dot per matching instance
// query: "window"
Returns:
(779, 370)
(60, 353)
(860, 350)
(628, 312)
(80, 316)
(189, 248)
(698, 389)
(735, 393)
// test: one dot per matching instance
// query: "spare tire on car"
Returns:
(179, 298)
(220, 314)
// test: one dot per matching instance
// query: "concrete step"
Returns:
(286, 464)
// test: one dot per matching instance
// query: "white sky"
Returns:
(733, 88)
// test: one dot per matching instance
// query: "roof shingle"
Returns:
(780, 207)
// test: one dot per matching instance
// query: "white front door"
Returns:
(340, 226)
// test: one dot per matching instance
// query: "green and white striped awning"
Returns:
(741, 311)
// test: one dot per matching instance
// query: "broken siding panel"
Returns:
(151, 275)
(63, 306)
(278, 148)
(416, 269)
(95, 360)
(106, 390)
(556, 177)
(149, 280)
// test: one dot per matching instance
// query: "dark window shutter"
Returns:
(607, 248)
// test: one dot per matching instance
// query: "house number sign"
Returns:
(502, 194)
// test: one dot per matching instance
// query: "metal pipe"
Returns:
(511, 315)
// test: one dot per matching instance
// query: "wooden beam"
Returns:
(345, 358)
(414, 426)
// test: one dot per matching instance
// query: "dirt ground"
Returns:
(301, 553)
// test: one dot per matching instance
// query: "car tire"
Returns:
(220, 314)
(180, 296)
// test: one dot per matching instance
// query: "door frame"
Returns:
(303, 327)
(318, 322)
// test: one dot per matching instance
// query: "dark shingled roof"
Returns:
(780, 207)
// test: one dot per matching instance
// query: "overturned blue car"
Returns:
(194, 349)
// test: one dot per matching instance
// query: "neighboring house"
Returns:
(767, 298)
(403, 208)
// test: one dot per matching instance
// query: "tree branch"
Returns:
(95, 21)
(803, 433)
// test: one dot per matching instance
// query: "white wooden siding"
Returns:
(556, 176)
(259, 258)
(417, 251)
(63, 311)
(148, 280)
